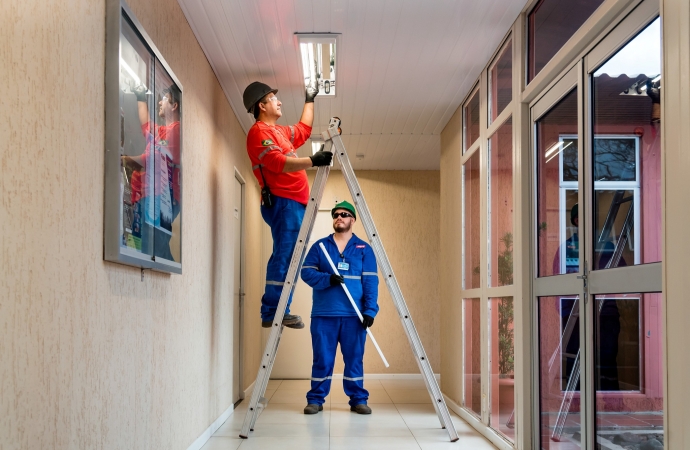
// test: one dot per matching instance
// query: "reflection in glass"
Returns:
(557, 174)
(628, 375)
(470, 114)
(501, 205)
(501, 82)
(136, 69)
(559, 372)
(471, 223)
(502, 366)
(627, 154)
(550, 24)
(471, 314)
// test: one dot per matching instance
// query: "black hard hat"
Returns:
(255, 92)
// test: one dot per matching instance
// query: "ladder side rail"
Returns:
(611, 217)
(394, 288)
(268, 357)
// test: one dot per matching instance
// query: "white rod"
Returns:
(354, 305)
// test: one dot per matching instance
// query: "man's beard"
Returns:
(341, 227)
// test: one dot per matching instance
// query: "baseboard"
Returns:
(475, 423)
(206, 435)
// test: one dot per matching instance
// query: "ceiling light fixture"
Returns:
(318, 60)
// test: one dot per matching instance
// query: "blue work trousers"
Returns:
(285, 220)
(326, 333)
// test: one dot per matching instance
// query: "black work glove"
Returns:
(311, 91)
(321, 158)
(140, 92)
(367, 321)
(336, 280)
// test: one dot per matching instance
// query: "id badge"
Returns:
(343, 266)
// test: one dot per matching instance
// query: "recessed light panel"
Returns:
(318, 61)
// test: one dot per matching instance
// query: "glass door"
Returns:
(623, 233)
(559, 266)
(597, 245)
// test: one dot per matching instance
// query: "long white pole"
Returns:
(354, 305)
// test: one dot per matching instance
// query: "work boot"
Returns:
(362, 408)
(289, 320)
(312, 408)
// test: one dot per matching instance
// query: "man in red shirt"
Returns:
(283, 180)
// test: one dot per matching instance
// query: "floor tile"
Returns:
(273, 384)
(289, 396)
(222, 443)
(374, 443)
(409, 395)
(409, 423)
(439, 439)
(280, 443)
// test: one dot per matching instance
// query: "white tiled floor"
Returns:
(403, 418)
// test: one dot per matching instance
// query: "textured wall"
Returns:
(405, 209)
(91, 356)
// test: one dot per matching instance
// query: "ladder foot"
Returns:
(454, 440)
(243, 437)
(443, 428)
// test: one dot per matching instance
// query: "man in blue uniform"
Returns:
(333, 319)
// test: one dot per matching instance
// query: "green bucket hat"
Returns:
(345, 205)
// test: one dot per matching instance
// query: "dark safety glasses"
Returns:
(341, 214)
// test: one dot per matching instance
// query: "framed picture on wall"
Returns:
(143, 149)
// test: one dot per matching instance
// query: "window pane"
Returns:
(501, 82)
(502, 366)
(470, 223)
(136, 85)
(501, 205)
(471, 337)
(628, 366)
(551, 23)
(470, 114)
(557, 210)
(627, 154)
(559, 372)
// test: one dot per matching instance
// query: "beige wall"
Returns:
(405, 209)
(90, 356)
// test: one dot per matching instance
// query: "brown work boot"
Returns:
(362, 408)
(289, 320)
(312, 408)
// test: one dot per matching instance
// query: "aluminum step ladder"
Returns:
(257, 401)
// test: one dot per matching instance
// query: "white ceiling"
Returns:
(404, 66)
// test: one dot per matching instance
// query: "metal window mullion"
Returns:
(483, 258)
(587, 310)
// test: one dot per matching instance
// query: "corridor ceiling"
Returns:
(403, 66)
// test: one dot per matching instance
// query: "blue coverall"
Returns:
(334, 320)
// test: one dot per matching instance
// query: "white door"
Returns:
(238, 291)
(294, 357)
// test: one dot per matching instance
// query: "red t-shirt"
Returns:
(268, 147)
(165, 140)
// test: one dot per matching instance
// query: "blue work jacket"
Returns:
(361, 278)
